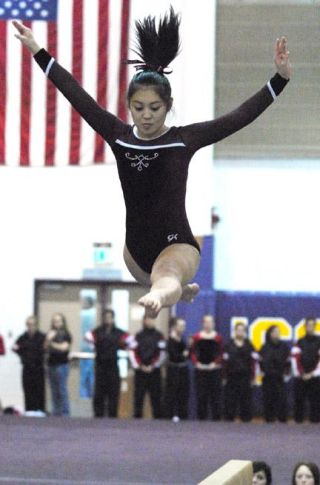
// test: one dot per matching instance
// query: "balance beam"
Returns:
(234, 472)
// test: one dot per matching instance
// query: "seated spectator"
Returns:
(261, 473)
(305, 473)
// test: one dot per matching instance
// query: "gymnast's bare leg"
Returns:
(175, 266)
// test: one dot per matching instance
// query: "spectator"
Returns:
(147, 356)
(57, 343)
(2, 346)
(177, 382)
(2, 352)
(306, 473)
(239, 363)
(306, 371)
(275, 365)
(107, 339)
(206, 354)
(262, 474)
(30, 348)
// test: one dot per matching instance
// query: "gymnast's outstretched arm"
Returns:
(198, 135)
(103, 122)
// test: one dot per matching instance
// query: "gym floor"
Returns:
(64, 451)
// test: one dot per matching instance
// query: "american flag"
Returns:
(87, 37)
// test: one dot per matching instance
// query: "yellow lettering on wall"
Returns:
(260, 325)
(300, 331)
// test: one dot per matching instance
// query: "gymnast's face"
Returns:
(259, 478)
(148, 112)
(304, 476)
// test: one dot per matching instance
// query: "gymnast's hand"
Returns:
(281, 58)
(25, 35)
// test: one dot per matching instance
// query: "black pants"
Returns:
(208, 385)
(307, 391)
(238, 397)
(274, 398)
(143, 383)
(106, 388)
(33, 388)
(177, 391)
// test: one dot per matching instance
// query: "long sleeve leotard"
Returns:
(153, 173)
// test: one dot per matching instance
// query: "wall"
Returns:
(51, 217)
(269, 235)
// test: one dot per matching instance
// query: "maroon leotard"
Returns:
(153, 173)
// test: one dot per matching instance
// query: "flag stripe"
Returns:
(123, 71)
(25, 109)
(89, 38)
(51, 101)
(3, 89)
(77, 56)
(102, 73)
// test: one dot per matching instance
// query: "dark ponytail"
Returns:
(156, 47)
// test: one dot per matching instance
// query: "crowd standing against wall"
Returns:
(224, 372)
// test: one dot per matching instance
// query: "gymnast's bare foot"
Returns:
(189, 292)
(153, 302)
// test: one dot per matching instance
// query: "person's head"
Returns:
(149, 92)
(240, 331)
(178, 325)
(148, 322)
(261, 473)
(306, 473)
(58, 322)
(32, 324)
(208, 323)
(310, 325)
(108, 317)
(273, 334)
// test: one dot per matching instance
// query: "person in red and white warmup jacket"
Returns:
(147, 356)
(206, 355)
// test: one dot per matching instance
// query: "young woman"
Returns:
(306, 473)
(239, 364)
(153, 159)
(262, 474)
(275, 365)
(177, 381)
(57, 344)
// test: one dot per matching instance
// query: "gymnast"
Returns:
(152, 159)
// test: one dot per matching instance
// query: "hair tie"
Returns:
(142, 66)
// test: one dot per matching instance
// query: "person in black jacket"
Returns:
(239, 363)
(306, 371)
(275, 364)
(177, 382)
(147, 355)
(30, 348)
(107, 339)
